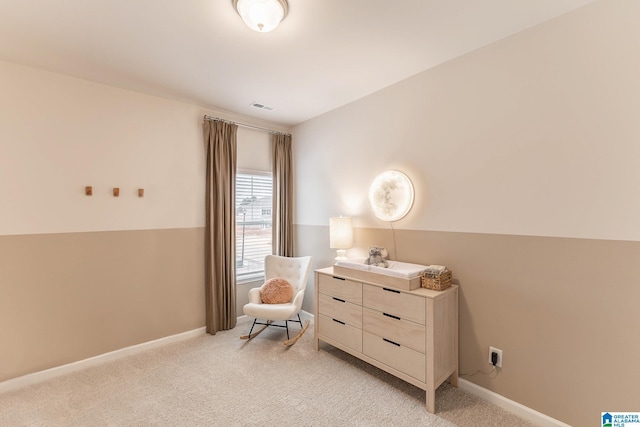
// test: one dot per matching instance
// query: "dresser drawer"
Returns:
(399, 330)
(340, 309)
(395, 355)
(347, 290)
(341, 332)
(392, 301)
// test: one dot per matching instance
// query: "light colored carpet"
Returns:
(221, 380)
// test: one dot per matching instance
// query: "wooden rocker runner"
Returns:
(256, 333)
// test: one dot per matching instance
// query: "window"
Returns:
(254, 193)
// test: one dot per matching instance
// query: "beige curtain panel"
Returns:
(220, 234)
(282, 195)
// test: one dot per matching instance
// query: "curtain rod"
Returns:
(244, 125)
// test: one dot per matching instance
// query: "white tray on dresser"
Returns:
(412, 334)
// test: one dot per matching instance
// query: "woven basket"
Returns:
(437, 283)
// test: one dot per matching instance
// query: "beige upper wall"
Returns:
(254, 150)
(59, 134)
(533, 135)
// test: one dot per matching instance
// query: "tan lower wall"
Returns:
(66, 297)
(565, 312)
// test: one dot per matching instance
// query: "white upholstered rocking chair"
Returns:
(295, 270)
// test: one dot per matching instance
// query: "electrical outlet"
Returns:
(498, 352)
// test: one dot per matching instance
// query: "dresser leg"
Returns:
(453, 378)
(431, 401)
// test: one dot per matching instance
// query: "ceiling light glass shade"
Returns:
(261, 15)
(391, 195)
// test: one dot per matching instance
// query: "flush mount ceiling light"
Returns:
(391, 195)
(262, 15)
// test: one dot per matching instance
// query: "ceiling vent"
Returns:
(261, 106)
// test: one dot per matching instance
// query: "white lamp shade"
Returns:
(262, 15)
(340, 233)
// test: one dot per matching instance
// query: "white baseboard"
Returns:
(520, 410)
(37, 377)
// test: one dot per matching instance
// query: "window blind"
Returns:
(254, 194)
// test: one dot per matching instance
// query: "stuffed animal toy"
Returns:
(377, 256)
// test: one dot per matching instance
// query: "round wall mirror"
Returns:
(391, 195)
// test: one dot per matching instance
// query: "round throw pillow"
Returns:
(276, 291)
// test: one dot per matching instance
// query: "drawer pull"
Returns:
(339, 278)
(338, 299)
(395, 291)
(392, 316)
(391, 342)
(338, 321)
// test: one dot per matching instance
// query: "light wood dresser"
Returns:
(410, 334)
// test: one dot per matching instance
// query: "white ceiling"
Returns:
(326, 53)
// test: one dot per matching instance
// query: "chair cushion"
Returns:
(276, 291)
